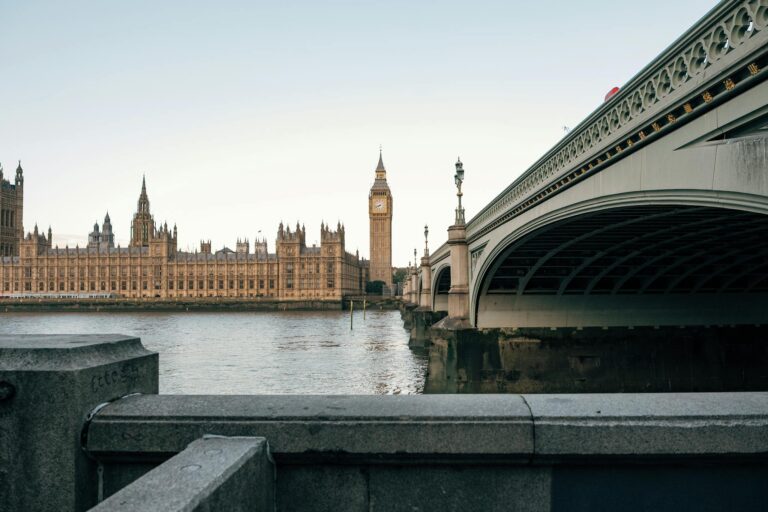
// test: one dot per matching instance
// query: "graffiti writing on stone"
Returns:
(126, 376)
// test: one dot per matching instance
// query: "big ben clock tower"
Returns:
(380, 214)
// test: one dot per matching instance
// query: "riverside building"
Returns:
(11, 212)
(153, 267)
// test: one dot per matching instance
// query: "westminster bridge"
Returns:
(652, 212)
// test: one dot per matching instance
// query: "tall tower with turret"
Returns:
(143, 224)
(11, 213)
(380, 216)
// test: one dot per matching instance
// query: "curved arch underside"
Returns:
(650, 249)
(443, 281)
(442, 286)
(630, 258)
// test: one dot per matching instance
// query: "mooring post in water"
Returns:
(363, 309)
(351, 307)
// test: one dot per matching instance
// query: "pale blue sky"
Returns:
(242, 114)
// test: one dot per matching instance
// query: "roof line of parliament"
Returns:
(152, 265)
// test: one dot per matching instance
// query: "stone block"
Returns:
(322, 488)
(466, 487)
(301, 428)
(650, 424)
(214, 473)
(54, 382)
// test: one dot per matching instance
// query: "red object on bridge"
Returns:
(611, 94)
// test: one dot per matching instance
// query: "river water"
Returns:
(302, 352)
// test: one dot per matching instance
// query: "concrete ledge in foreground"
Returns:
(213, 473)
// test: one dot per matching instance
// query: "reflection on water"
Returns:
(302, 352)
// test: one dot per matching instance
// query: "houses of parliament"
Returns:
(151, 266)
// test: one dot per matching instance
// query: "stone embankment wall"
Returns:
(31, 305)
(376, 302)
(81, 421)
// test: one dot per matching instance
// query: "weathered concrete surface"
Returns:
(541, 454)
(323, 488)
(213, 473)
(597, 360)
(58, 380)
(470, 487)
(406, 313)
(421, 322)
(407, 487)
(351, 428)
(307, 433)
(650, 424)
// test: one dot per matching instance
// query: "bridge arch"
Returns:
(679, 257)
(441, 284)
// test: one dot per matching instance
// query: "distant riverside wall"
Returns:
(371, 302)
(201, 304)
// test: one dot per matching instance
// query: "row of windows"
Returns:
(7, 218)
(83, 272)
(309, 283)
(7, 249)
(123, 270)
(306, 281)
(201, 284)
(104, 286)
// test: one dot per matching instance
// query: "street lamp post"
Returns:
(458, 179)
(426, 243)
(458, 295)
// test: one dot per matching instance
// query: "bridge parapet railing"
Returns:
(718, 57)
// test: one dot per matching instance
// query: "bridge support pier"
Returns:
(425, 300)
(458, 295)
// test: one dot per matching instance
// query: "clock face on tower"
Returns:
(379, 205)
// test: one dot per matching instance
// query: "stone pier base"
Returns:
(598, 361)
(418, 321)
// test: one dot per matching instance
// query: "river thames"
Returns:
(303, 352)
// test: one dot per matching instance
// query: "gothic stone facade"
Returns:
(152, 266)
(11, 212)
